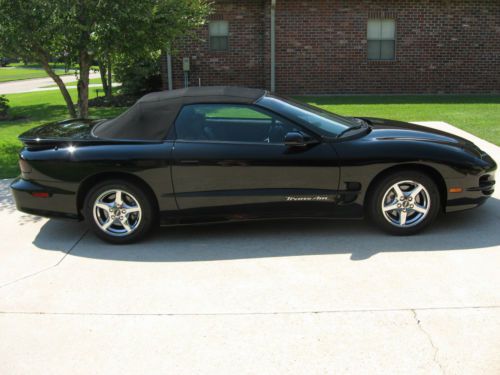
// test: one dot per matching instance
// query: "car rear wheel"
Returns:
(119, 211)
(404, 203)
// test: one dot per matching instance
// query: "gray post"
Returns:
(169, 70)
(273, 45)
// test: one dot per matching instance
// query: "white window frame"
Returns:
(381, 38)
(218, 34)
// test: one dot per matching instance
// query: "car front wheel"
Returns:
(404, 203)
(118, 211)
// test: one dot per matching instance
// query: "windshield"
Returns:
(324, 122)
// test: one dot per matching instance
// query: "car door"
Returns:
(231, 158)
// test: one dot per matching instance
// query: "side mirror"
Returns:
(295, 139)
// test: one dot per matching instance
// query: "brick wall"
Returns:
(242, 64)
(442, 46)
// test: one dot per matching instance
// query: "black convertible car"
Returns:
(227, 153)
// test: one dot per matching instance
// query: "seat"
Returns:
(193, 127)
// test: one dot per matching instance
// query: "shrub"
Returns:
(138, 77)
(121, 100)
(4, 107)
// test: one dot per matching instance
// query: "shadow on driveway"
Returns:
(474, 229)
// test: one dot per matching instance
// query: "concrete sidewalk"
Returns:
(37, 84)
(303, 297)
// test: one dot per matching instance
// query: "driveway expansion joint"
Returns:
(352, 311)
(49, 267)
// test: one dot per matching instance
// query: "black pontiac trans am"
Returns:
(226, 153)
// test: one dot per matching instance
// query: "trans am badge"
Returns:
(316, 198)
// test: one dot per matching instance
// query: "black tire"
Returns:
(383, 194)
(143, 222)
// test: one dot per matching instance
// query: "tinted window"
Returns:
(324, 122)
(231, 123)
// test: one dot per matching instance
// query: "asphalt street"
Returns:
(38, 84)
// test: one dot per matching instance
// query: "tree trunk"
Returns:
(83, 85)
(109, 91)
(104, 80)
(62, 87)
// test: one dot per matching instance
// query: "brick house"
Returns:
(345, 46)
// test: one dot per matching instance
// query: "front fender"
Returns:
(363, 160)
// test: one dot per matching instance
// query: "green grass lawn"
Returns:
(479, 115)
(35, 65)
(16, 73)
(56, 65)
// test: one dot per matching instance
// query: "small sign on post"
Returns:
(185, 64)
(185, 68)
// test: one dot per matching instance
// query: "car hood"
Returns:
(383, 129)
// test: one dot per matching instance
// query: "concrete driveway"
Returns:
(303, 297)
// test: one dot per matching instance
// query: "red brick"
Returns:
(442, 46)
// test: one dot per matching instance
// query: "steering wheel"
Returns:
(274, 129)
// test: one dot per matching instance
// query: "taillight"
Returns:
(24, 166)
(40, 194)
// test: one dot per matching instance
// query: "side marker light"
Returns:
(39, 194)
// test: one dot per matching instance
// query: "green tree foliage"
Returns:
(4, 107)
(138, 76)
(81, 31)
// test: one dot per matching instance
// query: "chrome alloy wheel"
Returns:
(406, 204)
(117, 212)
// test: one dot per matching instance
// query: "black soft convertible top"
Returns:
(152, 116)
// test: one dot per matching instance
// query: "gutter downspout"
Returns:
(273, 45)
(169, 70)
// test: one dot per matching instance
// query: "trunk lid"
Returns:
(61, 132)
